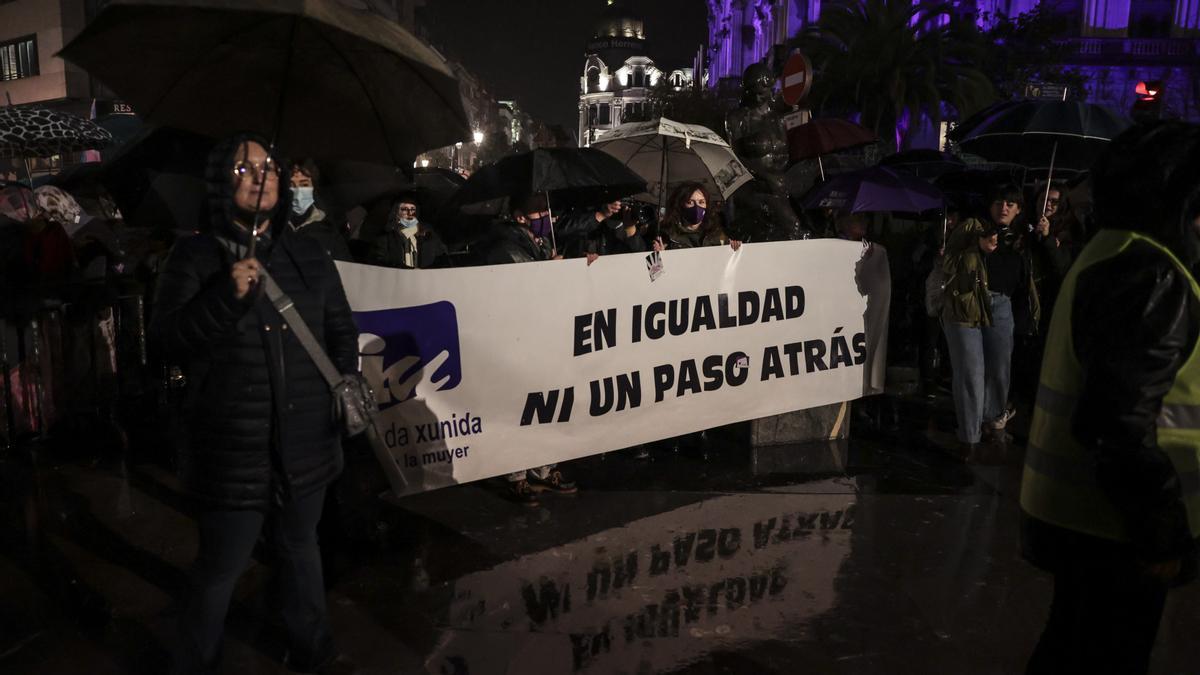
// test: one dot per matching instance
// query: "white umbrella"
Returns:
(664, 152)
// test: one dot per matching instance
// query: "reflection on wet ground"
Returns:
(881, 555)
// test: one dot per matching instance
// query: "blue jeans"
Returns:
(981, 359)
(997, 357)
(227, 541)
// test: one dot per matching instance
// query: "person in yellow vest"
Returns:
(1110, 496)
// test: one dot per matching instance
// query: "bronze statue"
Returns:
(761, 208)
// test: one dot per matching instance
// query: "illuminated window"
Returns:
(18, 58)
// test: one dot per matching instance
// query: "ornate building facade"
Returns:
(1115, 43)
(618, 75)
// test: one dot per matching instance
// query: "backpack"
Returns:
(935, 288)
(935, 291)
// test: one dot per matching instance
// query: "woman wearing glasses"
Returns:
(263, 442)
(406, 242)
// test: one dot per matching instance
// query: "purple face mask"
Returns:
(540, 226)
(693, 215)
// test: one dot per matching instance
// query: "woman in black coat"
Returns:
(263, 441)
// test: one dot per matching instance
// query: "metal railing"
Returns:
(69, 359)
(1141, 48)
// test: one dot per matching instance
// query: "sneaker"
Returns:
(1002, 421)
(552, 483)
(521, 492)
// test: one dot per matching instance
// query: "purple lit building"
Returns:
(1115, 43)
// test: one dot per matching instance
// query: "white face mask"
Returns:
(408, 222)
(302, 200)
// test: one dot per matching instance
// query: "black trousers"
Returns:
(1104, 619)
(227, 540)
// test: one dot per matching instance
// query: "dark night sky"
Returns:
(533, 50)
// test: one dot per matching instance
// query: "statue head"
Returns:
(758, 84)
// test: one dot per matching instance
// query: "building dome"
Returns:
(619, 21)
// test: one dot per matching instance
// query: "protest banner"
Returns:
(483, 371)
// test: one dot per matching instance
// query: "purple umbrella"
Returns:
(875, 189)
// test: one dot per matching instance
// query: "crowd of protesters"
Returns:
(972, 306)
(974, 295)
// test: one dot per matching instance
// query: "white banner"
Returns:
(483, 371)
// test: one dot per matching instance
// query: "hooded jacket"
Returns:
(965, 299)
(259, 411)
(1131, 337)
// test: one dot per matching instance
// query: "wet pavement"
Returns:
(878, 555)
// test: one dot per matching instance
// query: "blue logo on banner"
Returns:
(407, 346)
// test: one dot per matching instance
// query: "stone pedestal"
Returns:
(812, 458)
(824, 423)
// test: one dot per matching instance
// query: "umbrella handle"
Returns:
(663, 179)
(945, 224)
(258, 206)
(550, 214)
(279, 109)
(1049, 178)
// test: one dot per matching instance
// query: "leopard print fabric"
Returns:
(33, 132)
(58, 205)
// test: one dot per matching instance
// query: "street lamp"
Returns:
(478, 136)
(424, 164)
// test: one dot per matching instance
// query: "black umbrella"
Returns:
(34, 132)
(567, 176)
(924, 163)
(965, 127)
(1042, 134)
(436, 187)
(969, 187)
(875, 189)
(80, 179)
(157, 180)
(123, 127)
(317, 77)
(345, 184)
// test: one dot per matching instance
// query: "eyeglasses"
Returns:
(408, 209)
(268, 170)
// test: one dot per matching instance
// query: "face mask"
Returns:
(693, 215)
(540, 226)
(302, 200)
(408, 222)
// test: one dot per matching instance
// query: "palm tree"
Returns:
(894, 63)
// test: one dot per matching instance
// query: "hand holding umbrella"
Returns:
(567, 176)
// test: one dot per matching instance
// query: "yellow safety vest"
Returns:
(1059, 485)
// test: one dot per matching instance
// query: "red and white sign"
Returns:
(797, 78)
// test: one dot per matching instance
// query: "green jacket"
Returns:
(966, 298)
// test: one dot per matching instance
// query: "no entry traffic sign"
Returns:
(797, 78)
